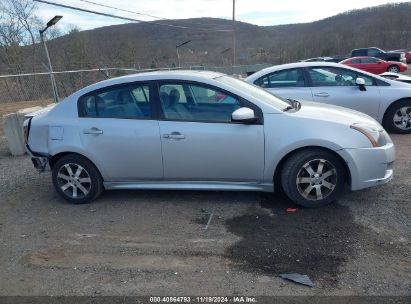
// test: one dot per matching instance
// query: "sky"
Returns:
(259, 12)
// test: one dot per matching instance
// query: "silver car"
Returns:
(388, 101)
(191, 130)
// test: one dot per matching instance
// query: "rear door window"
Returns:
(127, 102)
(282, 79)
(369, 60)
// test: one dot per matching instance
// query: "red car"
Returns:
(375, 65)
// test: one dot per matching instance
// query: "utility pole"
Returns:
(51, 23)
(234, 42)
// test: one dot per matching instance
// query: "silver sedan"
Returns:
(204, 131)
(388, 101)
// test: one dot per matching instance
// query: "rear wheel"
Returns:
(393, 69)
(398, 117)
(76, 179)
(313, 178)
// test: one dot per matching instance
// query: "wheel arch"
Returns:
(393, 104)
(283, 160)
(393, 65)
(56, 157)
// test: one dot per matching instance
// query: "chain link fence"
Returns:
(37, 86)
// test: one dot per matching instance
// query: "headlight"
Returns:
(377, 136)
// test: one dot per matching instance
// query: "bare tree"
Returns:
(19, 24)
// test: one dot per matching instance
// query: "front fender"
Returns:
(281, 140)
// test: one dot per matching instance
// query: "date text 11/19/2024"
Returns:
(204, 299)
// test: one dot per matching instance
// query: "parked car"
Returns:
(397, 77)
(386, 100)
(320, 59)
(167, 130)
(375, 65)
(378, 53)
(407, 54)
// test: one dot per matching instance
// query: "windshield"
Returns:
(255, 91)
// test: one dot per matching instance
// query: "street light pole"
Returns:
(178, 54)
(178, 57)
(234, 38)
(222, 54)
(52, 79)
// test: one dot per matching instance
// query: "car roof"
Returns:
(275, 68)
(361, 57)
(366, 48)
(153, 75)
(291, 66)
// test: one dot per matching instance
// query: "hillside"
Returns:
(144, 45)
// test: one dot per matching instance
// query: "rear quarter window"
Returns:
(87, 106)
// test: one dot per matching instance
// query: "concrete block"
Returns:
(13, 128)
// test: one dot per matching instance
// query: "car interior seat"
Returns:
(127, 104)
(175, 109)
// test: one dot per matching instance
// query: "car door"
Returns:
(371, 65)
(199, 140)
(118, 133)
(287, 83)
(337, 86)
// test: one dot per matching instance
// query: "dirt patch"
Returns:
(316, 242)
(64, 259)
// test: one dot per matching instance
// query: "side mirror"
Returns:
(244, 115)
(361, 83)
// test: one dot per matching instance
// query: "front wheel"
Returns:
(313, 178)
(398, 117)
(76, 179)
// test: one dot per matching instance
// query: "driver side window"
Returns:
(334, 76)
(194, 102)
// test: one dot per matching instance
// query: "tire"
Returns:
(76, 179)
(297, 178)
(397, 118)
(393, 68)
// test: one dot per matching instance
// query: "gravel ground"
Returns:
(154, 242)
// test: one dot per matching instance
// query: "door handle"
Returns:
(93, 131)
(322, 94)
(174, 135)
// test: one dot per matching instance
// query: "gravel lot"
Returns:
(154, 242)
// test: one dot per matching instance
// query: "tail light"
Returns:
(26, 130)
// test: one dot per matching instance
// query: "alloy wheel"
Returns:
(74, 180)
(316, 179)
(394, 69)
(402, 118)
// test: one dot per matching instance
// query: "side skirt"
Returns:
(190, 185)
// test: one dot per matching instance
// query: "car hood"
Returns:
(395, 53)
(336, 114)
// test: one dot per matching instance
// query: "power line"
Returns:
(130, 19)
(148, 15)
